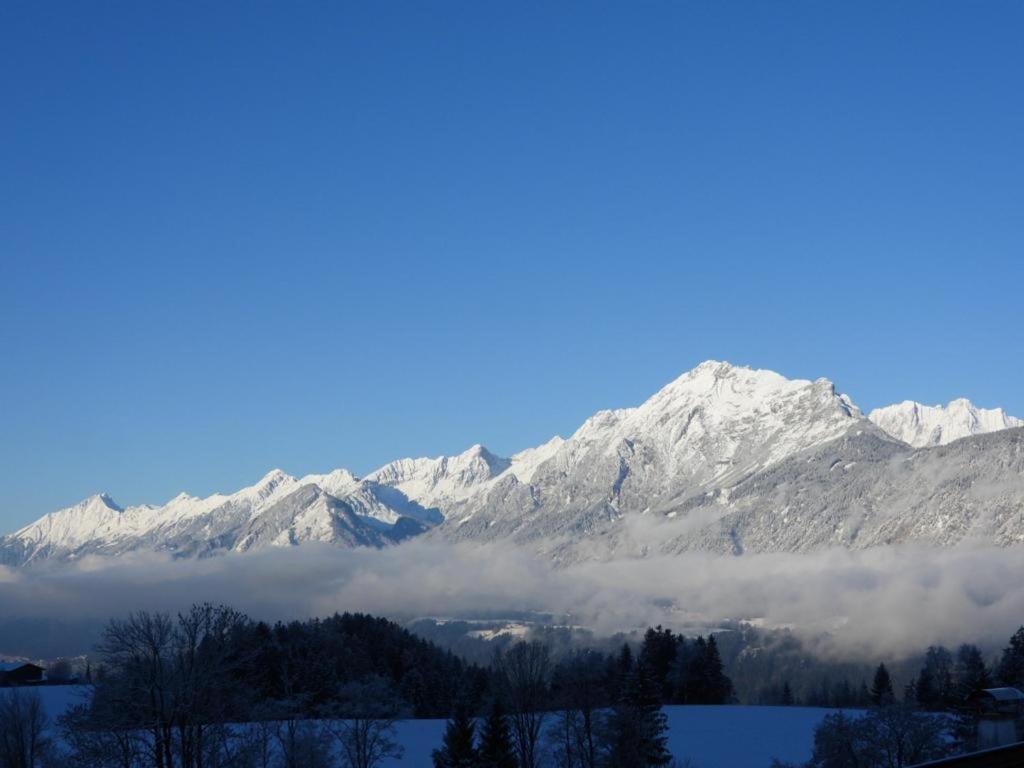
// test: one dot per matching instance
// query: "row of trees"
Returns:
(583, 730)
(595, 709)
(942, 682)
(892, 735)
(935, 717)
(209, 688)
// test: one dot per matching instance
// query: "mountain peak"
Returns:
(712, 370)
(714, 365)
(924, 425)
(478, 451)
(102, 499)
(743, 386)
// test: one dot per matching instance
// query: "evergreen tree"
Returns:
(706, 682)
(495, 740)
(935, 683)
(971, 673)
(1011, 666)
(925, 694)
(621, 669)
(457, 749)
(881, 687)
(637, 727)
(787, 695)
(719, 687)
(658, 653)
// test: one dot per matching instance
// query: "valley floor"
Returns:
(710, 737)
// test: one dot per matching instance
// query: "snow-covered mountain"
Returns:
(278, 510)
(724, 458)
(710, 428)
(921, 425)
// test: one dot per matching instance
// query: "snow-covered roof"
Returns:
(1004, 694)
(7, 666)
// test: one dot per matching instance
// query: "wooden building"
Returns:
(20, 673)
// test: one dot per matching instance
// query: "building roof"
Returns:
(10, 666)
(1002, 694)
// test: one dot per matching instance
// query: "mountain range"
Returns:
(724, 459)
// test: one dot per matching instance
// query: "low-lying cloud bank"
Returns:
(889, 601)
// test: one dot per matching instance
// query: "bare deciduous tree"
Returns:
(94, 744)
(23, 723)
(523, 672)
(201, 667)
(365, 730)
(138, 648)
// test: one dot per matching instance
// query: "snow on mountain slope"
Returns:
(337, 483)
(311, 514)
(724, 458)
(95, 516)
(862, 492)
(921, 425)
(709, 428)
(440, 481)
(188, 525)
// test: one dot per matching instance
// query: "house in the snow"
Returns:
(20, 673)
(1000, 716)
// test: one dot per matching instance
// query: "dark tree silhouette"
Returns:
(637, 727)
(881, 687)
(787, 695)
(458, 747)
(496, 750)
(1011, 665)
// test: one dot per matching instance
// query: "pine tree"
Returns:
(971, 673)
(719, 687)
(787, 695)
(658, 653)
(457, 749)
(495, 741)
(637, 727)
(935, 683)
(881, 687)
(1011, 666)
(621, 669)
(706, 682)
(697, 683)
(925, 693)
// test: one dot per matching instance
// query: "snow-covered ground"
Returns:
(57, 698)
(710, 737)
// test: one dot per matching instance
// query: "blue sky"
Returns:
(240, 236)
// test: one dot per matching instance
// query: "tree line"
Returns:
(211, 688)
(932, 717)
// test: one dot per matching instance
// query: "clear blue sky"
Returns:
(240, 236)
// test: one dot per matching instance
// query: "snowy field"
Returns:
(710, 737)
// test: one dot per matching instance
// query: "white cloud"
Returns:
(890, 600)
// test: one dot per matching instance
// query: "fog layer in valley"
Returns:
(890, 601)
